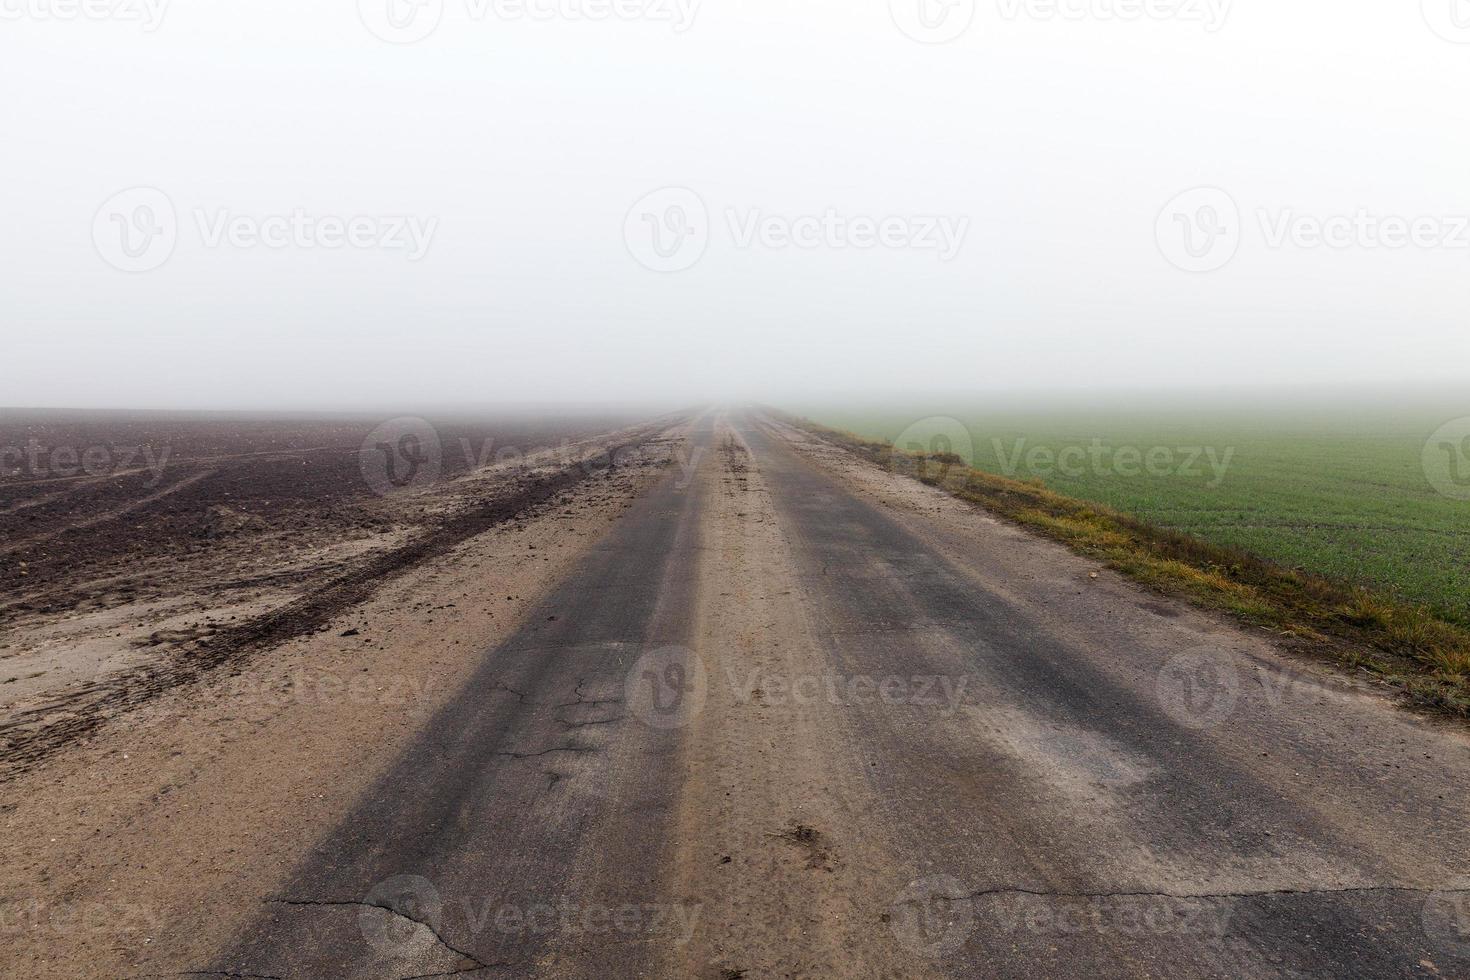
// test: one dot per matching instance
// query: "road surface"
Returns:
(798, 717)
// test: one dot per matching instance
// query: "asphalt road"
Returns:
(798, 717)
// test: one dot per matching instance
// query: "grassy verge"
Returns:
(1405, 644)
(1337, 490)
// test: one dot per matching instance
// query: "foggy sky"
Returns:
(524, 144)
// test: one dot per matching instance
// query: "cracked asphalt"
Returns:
(532, 785)
(795, 716)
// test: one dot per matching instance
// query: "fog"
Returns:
(455, 202)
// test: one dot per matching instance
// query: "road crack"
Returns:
(588, 724)
(520, 695)
(328, 903)
(469, 969)
(574, 749)
(1188, 896)
(584, 699)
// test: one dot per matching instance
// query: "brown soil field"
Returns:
(139, 549)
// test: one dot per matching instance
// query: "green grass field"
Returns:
(1335, 490)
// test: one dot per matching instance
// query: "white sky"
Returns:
(530, 140)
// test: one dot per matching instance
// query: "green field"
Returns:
(1338, 490)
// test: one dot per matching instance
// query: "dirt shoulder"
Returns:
(210, 790)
